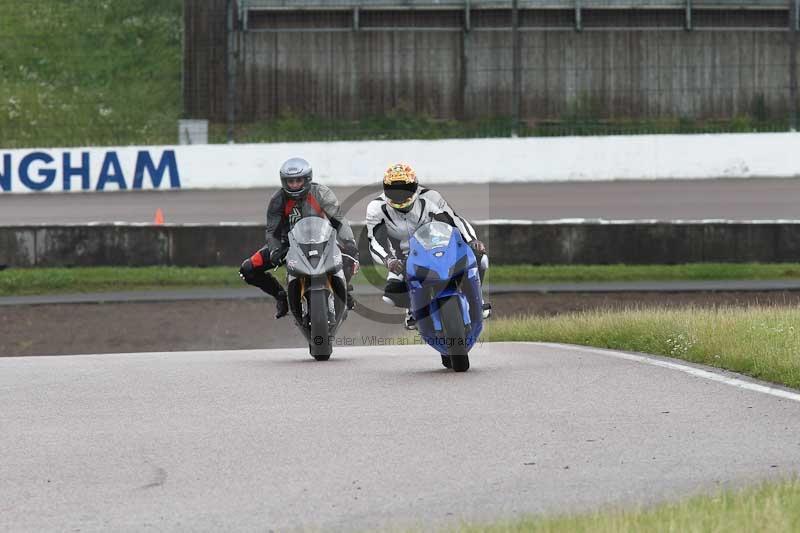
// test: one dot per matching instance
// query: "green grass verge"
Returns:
(768, 508)
(29, 281)
(88, 72)
(756, 341)
(601, 273)
(762, 342)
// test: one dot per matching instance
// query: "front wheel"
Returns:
(454, 333)
(320, 345)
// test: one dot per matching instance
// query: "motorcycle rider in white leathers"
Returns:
(392, 219)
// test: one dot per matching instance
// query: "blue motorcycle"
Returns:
(445, 292)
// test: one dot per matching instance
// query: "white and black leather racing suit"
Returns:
(389, 231)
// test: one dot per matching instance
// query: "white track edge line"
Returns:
(697, 372)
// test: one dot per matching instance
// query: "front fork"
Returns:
(463, 306)
(317, 283)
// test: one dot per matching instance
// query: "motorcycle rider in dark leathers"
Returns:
(299, 197)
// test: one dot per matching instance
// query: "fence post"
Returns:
(794, 21)
(515, 66)
(230, 71)
(464, 71)
(688, 15)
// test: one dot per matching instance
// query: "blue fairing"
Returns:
(437, 271)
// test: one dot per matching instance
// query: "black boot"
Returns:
(281, 305)
(350, 302)
(272, 286)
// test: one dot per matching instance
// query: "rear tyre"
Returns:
(320, 345)
(455, 334)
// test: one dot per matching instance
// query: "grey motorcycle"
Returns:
(316, 285)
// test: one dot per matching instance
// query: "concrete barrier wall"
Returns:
(530, 159)
(508, 243)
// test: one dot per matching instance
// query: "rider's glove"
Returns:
(246, 270)
(350, 248)
(350, 253)
(477, 246)
(395, 265)
(277, 255)
(356, 266)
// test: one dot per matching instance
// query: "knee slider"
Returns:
(484, 262)
(247, 272)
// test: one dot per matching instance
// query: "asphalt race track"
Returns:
(734, 199)
(378, 437)
(381, 437)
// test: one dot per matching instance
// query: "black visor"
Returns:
(400, 192)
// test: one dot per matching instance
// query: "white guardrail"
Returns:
(443, 161)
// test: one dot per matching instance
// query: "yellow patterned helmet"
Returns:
(400, 186)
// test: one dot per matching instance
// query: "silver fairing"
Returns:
(313, 250)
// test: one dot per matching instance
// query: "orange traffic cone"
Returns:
(159, 220)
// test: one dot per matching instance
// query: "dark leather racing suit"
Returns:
(282, 214)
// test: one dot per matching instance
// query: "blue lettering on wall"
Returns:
(111, 172)
(49, 174)
(38, 170)
(167, 163)
(82, 171)
(5, 173)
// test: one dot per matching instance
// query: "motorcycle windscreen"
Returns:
(434, 235)
(312, 230)
(309, 245)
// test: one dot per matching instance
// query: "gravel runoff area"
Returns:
(248, 324)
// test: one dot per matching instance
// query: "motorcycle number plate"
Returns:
(312, 253)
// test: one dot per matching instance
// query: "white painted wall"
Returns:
(444, 161)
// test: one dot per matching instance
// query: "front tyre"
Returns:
(320, 345)
(454, 333)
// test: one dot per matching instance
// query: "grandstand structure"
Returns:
(536, 60)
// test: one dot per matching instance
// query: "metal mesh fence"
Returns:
(125, 72)
(462, 72)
